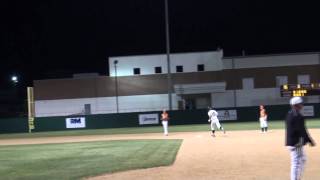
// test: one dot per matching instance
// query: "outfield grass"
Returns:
(78, 160)
(230, 126)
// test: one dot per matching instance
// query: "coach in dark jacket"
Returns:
(296, 134)
(296, 137)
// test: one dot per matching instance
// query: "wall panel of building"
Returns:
(211, 60)
(104, 86)
(254, 97)
(103, 105)
(276, 60)
(148, 92)
(221, 100)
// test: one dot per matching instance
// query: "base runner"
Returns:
(263, 119)
(213, 119)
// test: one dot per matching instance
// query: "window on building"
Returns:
(304, 79)
(179, 68)
(247, 83)
(136, 71)
(158, 70)
(281, 80)
(200, 67)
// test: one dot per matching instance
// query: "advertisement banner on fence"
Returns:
(148, 119)
(227, 115)
(308, 111)
(77, 122)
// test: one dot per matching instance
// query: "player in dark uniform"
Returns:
(296, 137)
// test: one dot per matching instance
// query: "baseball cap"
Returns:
(296, 100)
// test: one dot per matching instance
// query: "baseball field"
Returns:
(189, 152)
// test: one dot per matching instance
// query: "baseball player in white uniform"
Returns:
(165, 119)
(213, 119)
(263, 119)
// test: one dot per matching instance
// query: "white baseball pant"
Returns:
(215, 123)
(165, 127)
(298, 160)
(263, 122)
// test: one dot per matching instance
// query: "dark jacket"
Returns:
(295, 129)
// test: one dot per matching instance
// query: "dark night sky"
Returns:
(48, 39)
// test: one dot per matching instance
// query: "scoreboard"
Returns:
(292, 90)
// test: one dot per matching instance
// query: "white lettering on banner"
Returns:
(308, 111)
(227, 115)
(77, 122)
(148, 119)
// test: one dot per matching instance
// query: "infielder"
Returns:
(165, 119)
(296, 137)
(263, 119)
(213, 118)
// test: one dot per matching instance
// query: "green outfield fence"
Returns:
(179, 117)
(13, 125)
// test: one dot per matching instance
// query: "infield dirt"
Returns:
(239, 155)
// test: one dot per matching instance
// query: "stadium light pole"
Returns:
(115, 62)
(166, 6)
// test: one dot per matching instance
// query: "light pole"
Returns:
(15, 103)
(115, 62)
(166, 6)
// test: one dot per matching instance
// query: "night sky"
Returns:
(54, 39)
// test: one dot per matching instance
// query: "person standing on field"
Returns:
(263, 119)
(214, 121)
(165, 120)
(296, 137)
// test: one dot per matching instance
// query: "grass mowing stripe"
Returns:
(314, 123)
(78, 160)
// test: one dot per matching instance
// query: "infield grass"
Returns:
(79, 160)
(229, 126)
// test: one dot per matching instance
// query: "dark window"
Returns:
(158, 70)
(179, 68)
(136, 71)
(200, 67)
